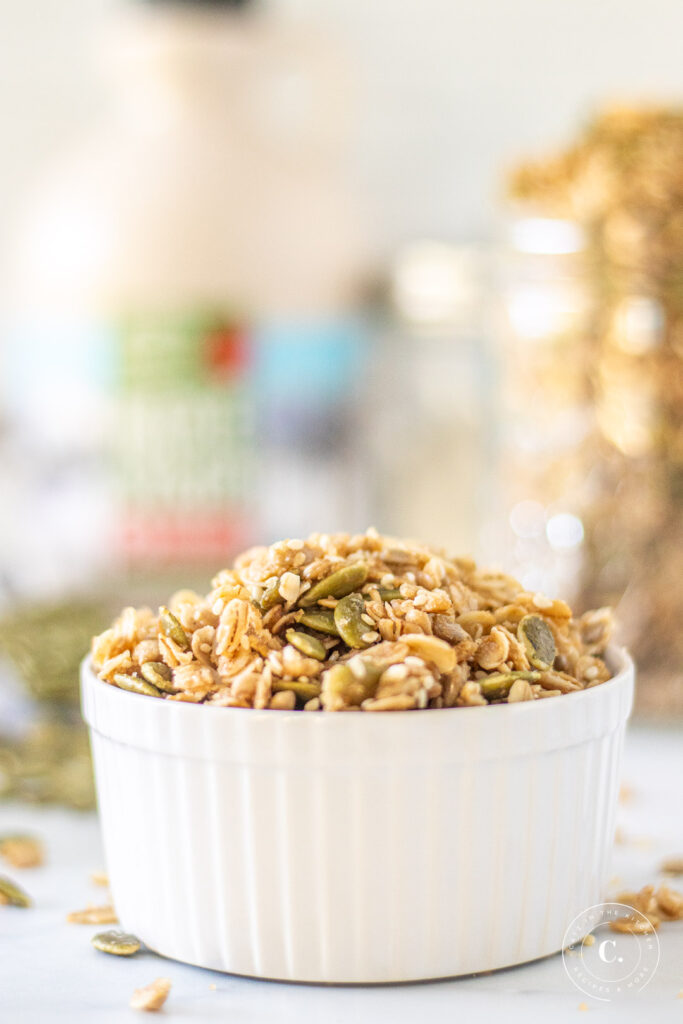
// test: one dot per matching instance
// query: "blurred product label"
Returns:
(309, 391)
(144, 427)
(182, 442)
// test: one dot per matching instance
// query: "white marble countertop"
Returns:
(49, 971)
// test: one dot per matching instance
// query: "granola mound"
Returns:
(366, 622)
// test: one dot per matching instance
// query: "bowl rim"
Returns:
(616, 655)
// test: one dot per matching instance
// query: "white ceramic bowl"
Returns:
(357, 847)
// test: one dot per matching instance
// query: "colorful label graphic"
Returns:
(151, 416)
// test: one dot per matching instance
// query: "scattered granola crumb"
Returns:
(93, 915)
(22, 851)
(634, 924)
(672, 866)
(680, 994)
(212, 987)
(583, 1007)
(652, 906)
(100, 878)
(589, 940)
(626, 793)
(151, 997)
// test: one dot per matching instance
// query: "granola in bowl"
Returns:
(365, 622)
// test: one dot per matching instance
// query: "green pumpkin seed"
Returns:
(320, 619)
(341, 689)
(307, 644)
(304, 689)
(340, 583)
(389, 593)
(116, 942)
(271, 596)
(135, 684)
(498, 684)
(366, 671)
(159, 675)
(12, 895)
(348, 618)
(171, 628)
(539, 643)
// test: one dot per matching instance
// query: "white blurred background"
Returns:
(451, 92)
(263, 276)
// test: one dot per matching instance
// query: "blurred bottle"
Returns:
(434, 422)
(177, 348)
(204, 223)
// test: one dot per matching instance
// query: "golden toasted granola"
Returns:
(673, 866)
(366, 622)
(652, 905)
(21, 851)
(620, 182)
(152, 997)
(93, 915)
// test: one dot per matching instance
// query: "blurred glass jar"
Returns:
(620, 178)
(547, 417)
(432, 419)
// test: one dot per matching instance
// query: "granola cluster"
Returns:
(366, 622)
(651, 906)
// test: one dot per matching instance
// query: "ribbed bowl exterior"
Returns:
(357, 847)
